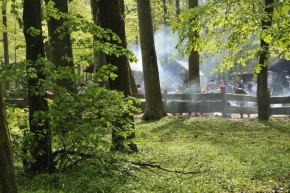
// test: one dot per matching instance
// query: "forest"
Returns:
(69, 71)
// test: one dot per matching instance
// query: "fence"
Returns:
(218, 102)
(206, 103)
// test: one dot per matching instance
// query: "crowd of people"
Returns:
(238, 87)
(231, 87)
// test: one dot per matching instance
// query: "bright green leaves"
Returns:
(106, 72)
(232, 29)
(83, 122)
(33, 31)
(87, 37)
(266, 37)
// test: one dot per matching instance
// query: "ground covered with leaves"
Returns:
(185, 154)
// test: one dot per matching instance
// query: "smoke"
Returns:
(165, 45)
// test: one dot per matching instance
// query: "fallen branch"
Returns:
(165, 169)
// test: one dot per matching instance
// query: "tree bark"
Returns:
(177, 5)
(112, 18)
(165, 33)
(193, 62)
(61, 48)
(7, 176)
(5, 39)
(154, 108)
(133, 85)
(99, 57)
(263, 96)
(41, 149)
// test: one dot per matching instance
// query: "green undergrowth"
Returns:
(182, 154)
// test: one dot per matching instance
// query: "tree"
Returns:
(193, 60)
(60, 41)
(7, 177)
(154, 108)
(244, 33)
(40, 149)
(99, 56)
(112, 18)
(5, 39)
(263, 99)
(177, 5)
(165, 31)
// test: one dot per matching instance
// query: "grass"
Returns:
(224, 155)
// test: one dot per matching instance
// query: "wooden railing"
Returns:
(218, 102)
(197, 102)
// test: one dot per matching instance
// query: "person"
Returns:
(212, 86)
(243, 103)
(241, 84)
(228, 87)
(250, 88)
(140, 89)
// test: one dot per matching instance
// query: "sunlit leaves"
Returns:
(83, 31)
(233, 29)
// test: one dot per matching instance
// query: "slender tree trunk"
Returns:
(61, 48)
(263, 96)
(7, 177)
(99, 57)
(112, 18)
(193, 62)
(133, 86)
(5, 39)
(165, 32)
(177, 5)
(154, 108)
(41, 149)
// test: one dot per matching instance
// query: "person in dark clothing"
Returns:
(241, 91)
(250, 88)
(241, 84)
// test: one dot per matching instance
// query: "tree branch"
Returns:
(149, 165)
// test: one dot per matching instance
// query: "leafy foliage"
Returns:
(232, 30)
(80, 124)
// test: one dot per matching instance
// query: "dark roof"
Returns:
(275, 64)
(280, 66)
(89, 68)
(179, 65)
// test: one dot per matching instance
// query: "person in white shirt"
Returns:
(212, 86)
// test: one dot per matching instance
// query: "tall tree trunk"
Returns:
(165, 32)
(133, 86)
(112, 18)
(61, 48)
(263, 96)
(7, 177)
(154, 108)
(41, 149)
(193, 62)
(5, 39)
(99, 57)
(177, 5)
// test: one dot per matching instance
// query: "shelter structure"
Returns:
(280, 66)
(276, 66)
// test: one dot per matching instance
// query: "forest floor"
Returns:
(186, 154)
